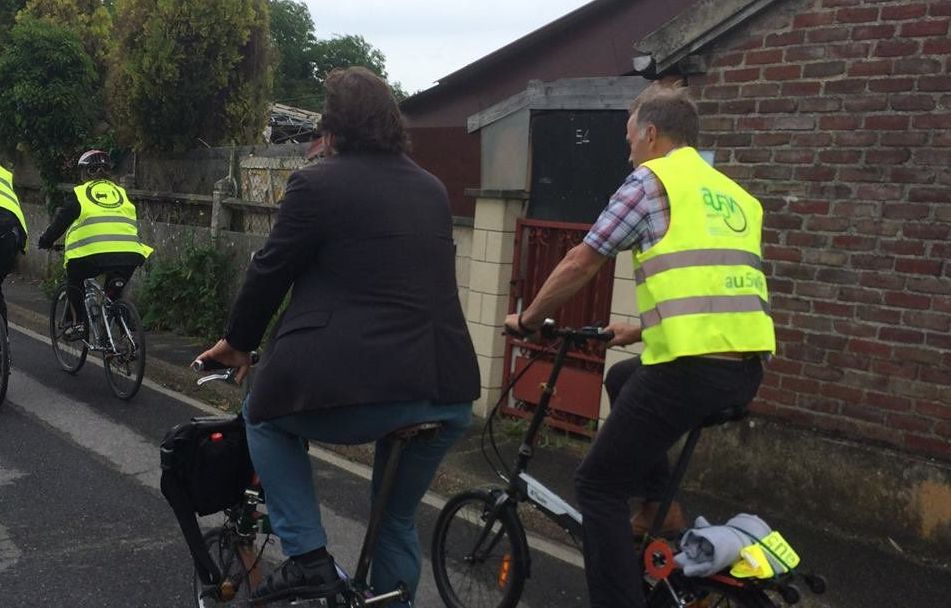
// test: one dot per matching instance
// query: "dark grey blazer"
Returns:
(365, 240)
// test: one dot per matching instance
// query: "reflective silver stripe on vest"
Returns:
(9, 196)
(103, 219)
(700, 305)
(125, 238)
(696, 257)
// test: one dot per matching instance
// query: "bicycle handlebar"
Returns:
(208, 365)
(549, 329)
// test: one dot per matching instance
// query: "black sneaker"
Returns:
(299, 579)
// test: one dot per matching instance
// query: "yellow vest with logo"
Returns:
(8, 198)
(701, 288)
(107, 222)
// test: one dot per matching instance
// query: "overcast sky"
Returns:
(424, 40)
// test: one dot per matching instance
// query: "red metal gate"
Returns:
(539, 246)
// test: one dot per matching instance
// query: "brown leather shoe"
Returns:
(673, 523)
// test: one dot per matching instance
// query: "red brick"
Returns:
(849, 361)
(849, 50)
(771, 139)
(872, 261)
(879, 315)
(888, 123)
(801, 89)
(905, 211)
(823, 69)
(941, 377)
(741, 75)
(901, 299)
(928, 445)
(900, 334)
(856, 138)
(918, 266)
(882, 280)
(937, 46)
(814, 140)
(941, 9)
(782, 72)
(862, 174)
(917, 65)
(764, 57)
(813, 290)
(785, 38)
(721, 92)
(893, 85)
(828, 224)
(738, 106)
(903, 247)
(838, 156)
(885, 401)
(807, 20)
(815, 104)
(878, 192)
(902, 12)
(937, 27)
(833, 309)
(827, 34)
(851, 328)
(905, 139)
(805, 53)
(851, 86)
(866, 103)
(774, 106)
(933, 409)
(897, 48)
(799, 385)
(910, 423)
(905, 175)
(822, 373)
(876, 227)
(934, 83)
(820, 174)
(809, 206)
(857, 294)
(932, 285)
(840, 123)
(942, 341)
(869, 347)
(795, 157)
(842, 393)
(871, 68)
(933, 121)
(857, 15)
(858, 209)
(728, 60)
(862, 412)
(927, 320)
(899, 369)
(873, 32)
(760, 89)
(887, 157)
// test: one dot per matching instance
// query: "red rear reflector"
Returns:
(217, 436)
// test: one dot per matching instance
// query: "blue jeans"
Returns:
(280, 459)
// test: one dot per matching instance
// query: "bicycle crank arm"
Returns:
(399, 595)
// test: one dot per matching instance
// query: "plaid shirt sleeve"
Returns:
(637, 216)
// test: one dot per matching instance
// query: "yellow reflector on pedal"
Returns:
(754, 559)
(504, 570)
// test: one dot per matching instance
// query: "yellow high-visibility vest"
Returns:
(701, 288)
(9, 200)
(107, 222)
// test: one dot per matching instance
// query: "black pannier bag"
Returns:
(205, 469)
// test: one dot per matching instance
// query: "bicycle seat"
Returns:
(729, 414)
(425, 429)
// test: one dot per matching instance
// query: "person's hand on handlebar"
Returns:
(624, 334)
(229, 356)
(515, 325)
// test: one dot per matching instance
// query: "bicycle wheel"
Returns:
(70, 354)
(225, 548)
(4, 360)
(125, 366)
(479, 552)
(707, 593)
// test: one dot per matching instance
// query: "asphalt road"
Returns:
(82, 523)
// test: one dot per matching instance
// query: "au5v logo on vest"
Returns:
(725, 216)
(104, 194)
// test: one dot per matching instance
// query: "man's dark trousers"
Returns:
(654, 407)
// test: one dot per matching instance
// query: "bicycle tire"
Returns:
(464, 581)
(125, 368)
(707, 593)
(4, 360)
(224, 547)
(69, 357)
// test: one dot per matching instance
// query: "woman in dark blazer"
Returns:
(374, 338)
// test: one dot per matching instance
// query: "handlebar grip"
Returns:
(211, 365)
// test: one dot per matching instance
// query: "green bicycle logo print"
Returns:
(726, 207)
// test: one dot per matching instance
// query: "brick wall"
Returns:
(837, 115)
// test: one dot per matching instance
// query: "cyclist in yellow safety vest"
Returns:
(103, 235)
(12, 231)
(704, 323)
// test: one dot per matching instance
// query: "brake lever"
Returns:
(226, 376)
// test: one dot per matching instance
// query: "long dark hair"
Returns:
(361, 113)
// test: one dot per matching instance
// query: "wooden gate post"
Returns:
(490, 272)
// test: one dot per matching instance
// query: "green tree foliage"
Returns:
(90, 20)
(292, 34)
(48, 101)
(304, 61)
(191, 72)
